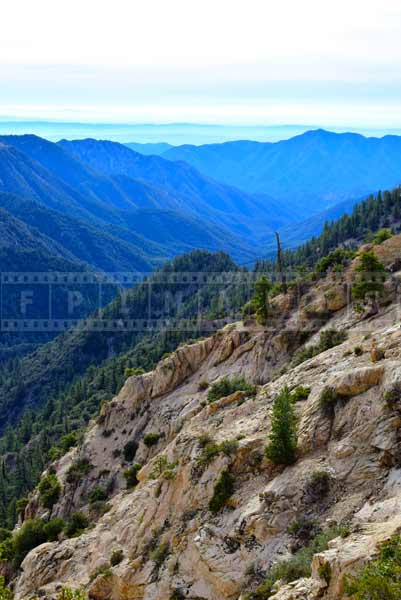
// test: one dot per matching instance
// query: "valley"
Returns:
(137, 441)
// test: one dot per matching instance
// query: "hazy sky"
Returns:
(248, 61)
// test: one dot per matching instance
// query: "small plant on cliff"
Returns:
(68, 593)
(160, 553)
(392, 397)
(163, 468)
(328, 400)
(116, 557)
(381, 578)
(129, 451)
(382, 235)
(129, 371)
(151, 439)
(49, 490)
(77, 524)
(20, 506)
(283, 437)
(223, 490)
(31, 534)
(328, 339)
(53, 528)
(177, 594)
(300, 393)
(299, 565)
(78, 470)
(225, 387)
(318, 485)
(130, 475)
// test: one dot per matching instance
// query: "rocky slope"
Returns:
(172, 545)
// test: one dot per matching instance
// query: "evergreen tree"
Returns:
(259, 303)
(370, 279)
(283, 437)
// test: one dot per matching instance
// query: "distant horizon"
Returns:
(175, 133)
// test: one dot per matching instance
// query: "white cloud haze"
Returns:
(212, 61)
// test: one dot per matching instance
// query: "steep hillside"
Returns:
(34, 168)
(170, 493)
(311, 171)
(145, 311)
(82, 241)
(207, 198)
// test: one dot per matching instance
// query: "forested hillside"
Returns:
(59, 387)
(382, 210)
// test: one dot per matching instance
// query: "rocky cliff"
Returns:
(169, 544)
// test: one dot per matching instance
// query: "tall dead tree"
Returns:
(280, 265)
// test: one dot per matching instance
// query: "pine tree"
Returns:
(371, 276)
(283, 437)
(261, 298)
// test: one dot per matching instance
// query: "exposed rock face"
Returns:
(169, 538)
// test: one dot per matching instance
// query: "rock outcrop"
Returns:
(172, 545)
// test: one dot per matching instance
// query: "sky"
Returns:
(221, 61)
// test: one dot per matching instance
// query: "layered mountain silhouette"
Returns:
(309, 172)
(153, 219)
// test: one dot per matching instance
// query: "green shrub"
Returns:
(21, 505)
(116, 557)
(68, 593)
(129, 371)
(299, 565)
(382, 235)
(49, 490)
(203, 385)
(228, 447)
(212, 449)
(160, 553)
(325, 572)
(7, 549)
(336, 258)
(130, 449)
(328, 400)
(130, 475)
(328, 339)
(151, 439)
(225, 387)
(358, 351)
(392, 397)
(318, 485)
(31, 534)
(300, 393)
(68, 441)
(5, 534)
(98, 494)
(78, 470)
(177, 594)
(223, 490)
(101, 571)
(283, 437)
(163, 468)
(53, 528)
(99, 508)
(5, 592)
(380, 579)
(77, 524)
